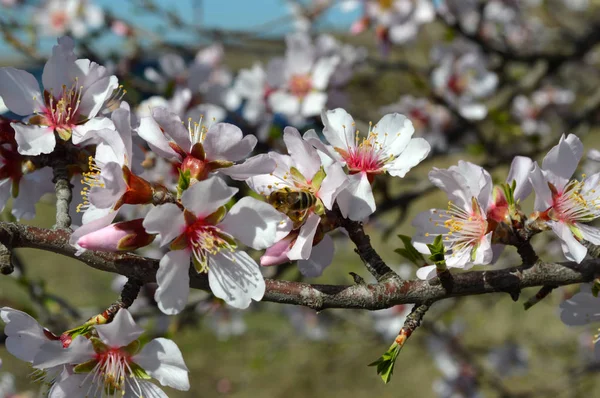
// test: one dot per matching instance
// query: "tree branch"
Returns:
(64, 194)
(370, 297)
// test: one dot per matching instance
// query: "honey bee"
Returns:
(294, 204)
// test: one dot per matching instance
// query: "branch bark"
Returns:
(370, 296)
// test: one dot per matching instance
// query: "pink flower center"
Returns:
(205, 239)
(574, 203)
(58, 20)
(466, 228)
(457, 84)
(113, 369)
(300, 85)
(368, 155)
(62, 109)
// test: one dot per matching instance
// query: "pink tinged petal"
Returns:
(520, 171)
(121, 331)
(339, 128)
(54, 354)
(581, 309)
(394, 132)
(539, 183)
(90, 131)
(427, 272)
(20, 91)
(173, 127)
(561, 160)
(205, 197)
(114, 187)
(335, 182)
(313, 104)
(89, 228)
(33, 140)
(57, 69)
(277, 254)
(413, 154)
(226, 141)
(589, 233)
(312, 138)
(95, 96)
(322, 71)
(484, 253)
(24, 334)
(150, 131)
(305, 157)
(254, 166)
(166, 220)
(357, 201)
(173, 280)
(122, 121)
(162, 359)
(304, 242)
(320, 257)
(572, 249)
(255, 223)
(282, 102)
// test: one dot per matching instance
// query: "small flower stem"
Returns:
(128, 295)
(412, 322)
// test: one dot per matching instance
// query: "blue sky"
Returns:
(225, 14)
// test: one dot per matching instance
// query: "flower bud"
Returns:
(123, 236)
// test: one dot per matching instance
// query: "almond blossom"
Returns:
(75, 91)
(530, 112)
(304, 78)
(463, 80)
(302, 173)
(581, 309)
(59, 17)
(200, 150)
(464, 225)
(114, 363)
(566, 205)
(387, 148)
(205, 233)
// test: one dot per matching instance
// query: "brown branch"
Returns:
(371, 297)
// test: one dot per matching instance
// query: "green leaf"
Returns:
(409, 252)
(86, 367)
(183, 183)
(437, 253)
(385, 364)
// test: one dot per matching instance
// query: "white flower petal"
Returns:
(166, 220)
(520, 170)
(339, 128)
(335, 181)
(413, 154)
(20, 91)
(313, 104)
(357, 201)
(322, 71)
(427, 272)
(305, 157)
(150, 131)
(394, 132)
(162, 359)
(304, 242)
(254, 166)
(90, 131)
(121, 331)
(205, 197)
(54, 354)
(235, 277)
(24, 334)
(285, 103)
(173, 127)
(34, 140)
(75, 385)
(561, 160)
(227, 142)
(320, 257)
(173, 280)
(255, 223)
(572, 249)
(543, 195)
(581, 309)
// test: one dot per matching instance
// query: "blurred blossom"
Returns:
(225, 322)
(530, 111)
(463, 80)
(304, 77)
(430, 120)
(75, 17)
(389, 321)
(464, 12)
(508, 359)
(582, 308)
(307, 322)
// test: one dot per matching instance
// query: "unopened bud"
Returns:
(123, 236)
